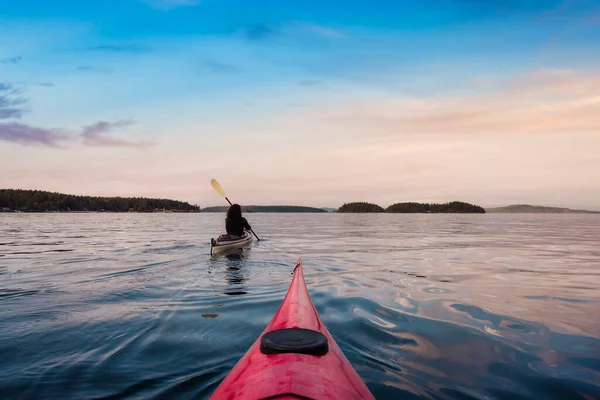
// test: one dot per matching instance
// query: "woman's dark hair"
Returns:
(235, 211)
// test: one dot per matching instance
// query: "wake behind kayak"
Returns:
(294, 357)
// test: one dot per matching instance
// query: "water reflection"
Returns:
(232, 268)
(235, 272)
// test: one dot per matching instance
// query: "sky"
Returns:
(305, 102)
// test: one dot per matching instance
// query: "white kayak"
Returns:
(226, 242)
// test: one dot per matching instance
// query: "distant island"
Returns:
(360, 207)
(18, 200)
(412, 207)
(267, 209)
(526, 208)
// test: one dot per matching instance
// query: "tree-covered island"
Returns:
(412, 207)
(42, 201)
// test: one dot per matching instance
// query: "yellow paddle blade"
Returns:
(218, 187)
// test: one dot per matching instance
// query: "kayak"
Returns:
(295, 357)
(226, 242)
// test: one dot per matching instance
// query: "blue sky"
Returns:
(303, 102)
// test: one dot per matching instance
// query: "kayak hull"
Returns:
(260, 374)
(217, 246)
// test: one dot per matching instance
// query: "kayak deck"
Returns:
(224, 242)
(294, 357)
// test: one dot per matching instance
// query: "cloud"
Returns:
(11, 60)
(10, 102)
(516, 7)
(92, 135)
(540, 102)
(25, 83)
(104, 127)
(291, 29)
(96, 135)
(170, 4)
(29, 135)
(300, 27)
(314, 84)
(115, 48)
(91, 68)
(219, 67)
(309, 82)
(6, 113)
(260, 31)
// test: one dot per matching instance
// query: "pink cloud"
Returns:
(540, 102)
(28, 135)
(93, 135)
(96, 135)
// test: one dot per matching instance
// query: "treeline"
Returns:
(268, 209)
(40, 201)
(530, 209)
(412, 207)
(360, 207)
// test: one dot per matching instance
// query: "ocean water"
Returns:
(124, 306)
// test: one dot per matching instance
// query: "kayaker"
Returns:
(235, 223)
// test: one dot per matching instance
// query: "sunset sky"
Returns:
(492, 102)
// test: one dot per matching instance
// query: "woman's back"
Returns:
(235, 223)
(235, 226)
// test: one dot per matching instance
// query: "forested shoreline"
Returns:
(19, 200)
(412, 207)
(267, 209)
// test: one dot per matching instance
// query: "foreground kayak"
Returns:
(295, 357)
(225, 242)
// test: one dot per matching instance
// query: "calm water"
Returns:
(424, 306)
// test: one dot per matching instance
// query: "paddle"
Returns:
(220, 190)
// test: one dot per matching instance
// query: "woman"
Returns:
(235, 223)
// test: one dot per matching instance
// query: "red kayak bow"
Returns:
(294, 358)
